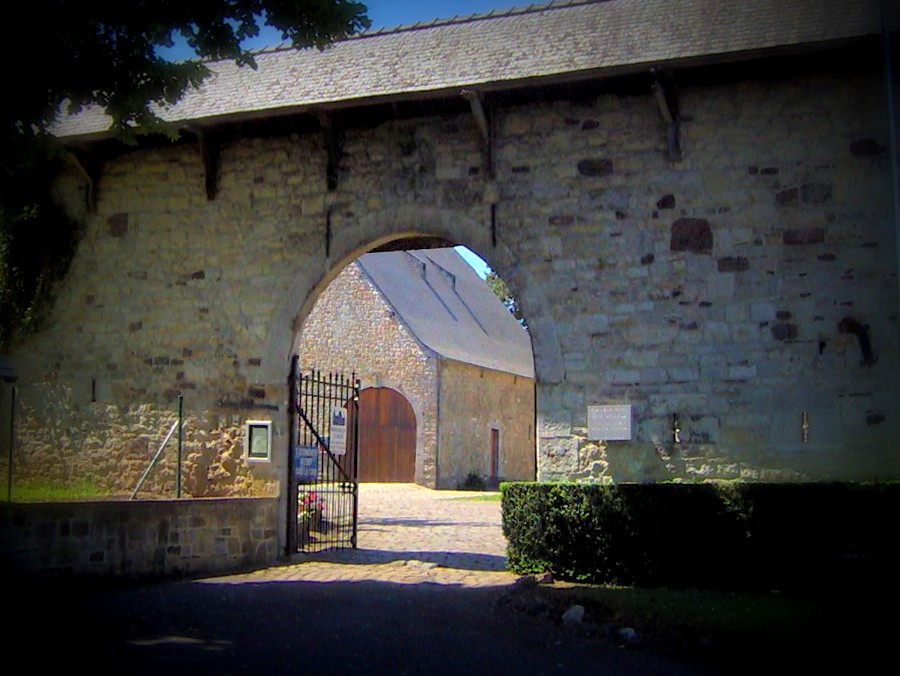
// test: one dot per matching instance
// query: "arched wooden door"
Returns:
(387, 436)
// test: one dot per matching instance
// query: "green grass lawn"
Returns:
(486, 497)
(56, 492)
(738, 631)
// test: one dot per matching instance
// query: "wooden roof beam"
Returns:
(484, 122)
(667, 100)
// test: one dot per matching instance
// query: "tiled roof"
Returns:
(575, 38)
(450, 309)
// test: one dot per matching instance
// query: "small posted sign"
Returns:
(337, 442)
(609, 423)
(306, 463)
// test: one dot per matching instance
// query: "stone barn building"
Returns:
(694, 201)
(446, 371)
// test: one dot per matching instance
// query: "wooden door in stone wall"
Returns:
(387, 436)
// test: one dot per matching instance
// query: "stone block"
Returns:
(595, 167)
(557, 424)
(866, 147)
(654, 376)
(666, 202)
(733, 264)
(700, 429)
(117, 225)
(641, 358)
(623, 376)
(762, 312)
(784, 331)
(741, 372)
(803, 236)
(815, 193)
(787, 197)
(683, 374)
(691, 234)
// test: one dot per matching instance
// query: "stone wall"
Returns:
(474, 400)
(352, 328)
(723, 288)
(729, 287)
(138, 539)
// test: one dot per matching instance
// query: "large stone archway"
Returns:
(713, 287)
(356, 326)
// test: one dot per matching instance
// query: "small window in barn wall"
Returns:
(259, 440)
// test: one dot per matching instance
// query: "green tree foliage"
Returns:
(502, 291)
(78, 52)
(37, 238)
(63, 55)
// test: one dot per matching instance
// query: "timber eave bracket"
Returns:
(89, 166)
(484, 121)
(666, 96)
(210, 145)
(333, 139)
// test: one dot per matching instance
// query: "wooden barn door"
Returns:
(387, 437)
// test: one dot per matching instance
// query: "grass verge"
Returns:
(487, 497)
(739, 632)
(52, 492)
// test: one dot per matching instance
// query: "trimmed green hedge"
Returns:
(725, 535)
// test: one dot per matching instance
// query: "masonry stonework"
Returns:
(474, 401)
(352, 329)
(712, 288)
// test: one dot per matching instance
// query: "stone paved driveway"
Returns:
(409, 534)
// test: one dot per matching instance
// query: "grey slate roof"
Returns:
(450, 309)
(560, 39)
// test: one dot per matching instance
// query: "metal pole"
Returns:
(153, 462)
(293, 438)
(355, 408)
(892, 129)
(180, 441)
(12, 437)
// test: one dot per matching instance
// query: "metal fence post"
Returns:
(180, 441)
(12, 437)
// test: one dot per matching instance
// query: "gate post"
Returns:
(355, 404)
(291, 540)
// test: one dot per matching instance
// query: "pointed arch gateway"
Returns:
(415, 315)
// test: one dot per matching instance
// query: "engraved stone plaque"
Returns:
(609, 423)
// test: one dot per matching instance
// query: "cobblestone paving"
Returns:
(409, 535)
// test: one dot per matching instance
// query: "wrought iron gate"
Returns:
(323, 457)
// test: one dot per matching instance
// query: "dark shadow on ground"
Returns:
(259, 627)
(272, 628)
(420, 523)
(462, 560)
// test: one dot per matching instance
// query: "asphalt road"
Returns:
(195, 627)
(426, 593)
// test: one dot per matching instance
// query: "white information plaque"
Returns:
(337, 442)
(609, 423)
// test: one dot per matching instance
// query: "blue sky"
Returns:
(385, 14)
(389, 13)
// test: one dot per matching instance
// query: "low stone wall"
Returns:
(138, 539)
